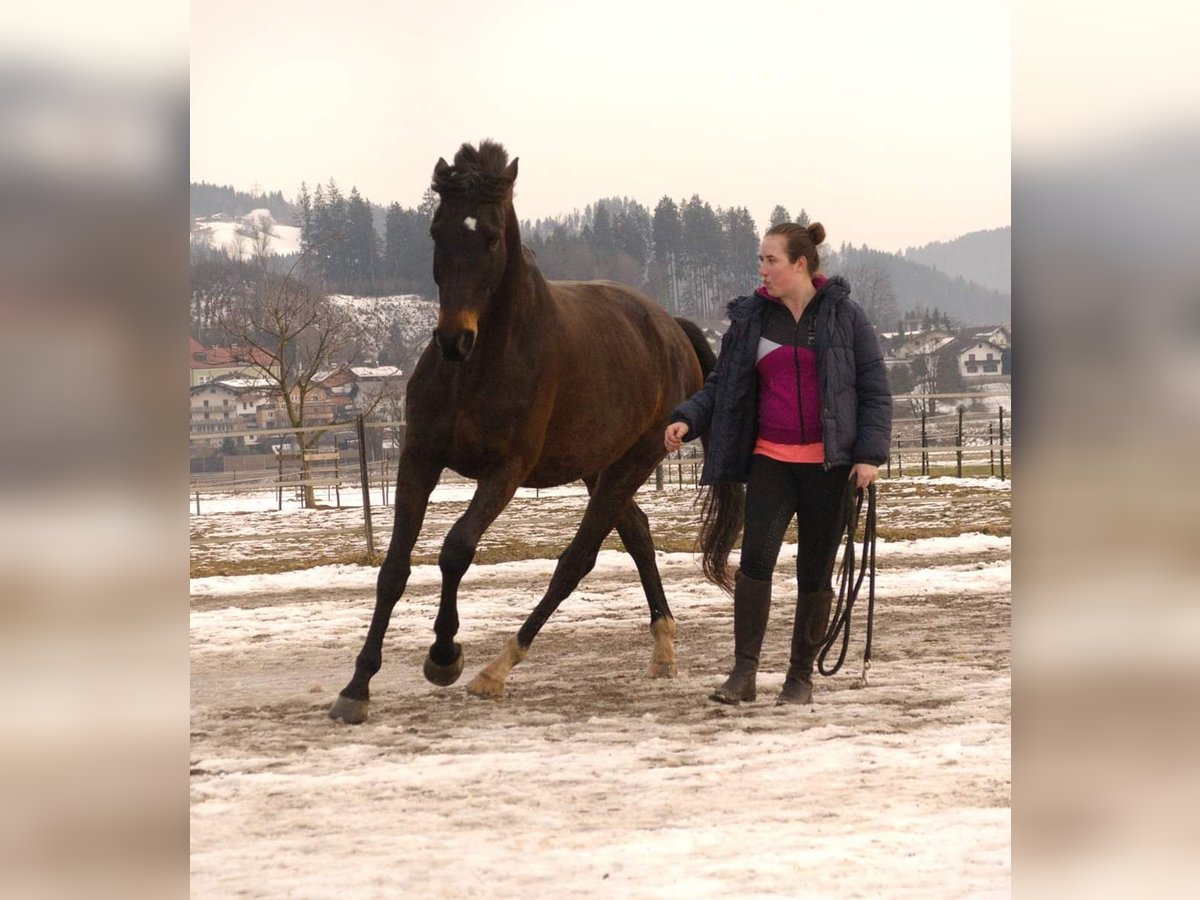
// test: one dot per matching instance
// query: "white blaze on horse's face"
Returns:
(470, 221)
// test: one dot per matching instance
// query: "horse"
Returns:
(526, 383)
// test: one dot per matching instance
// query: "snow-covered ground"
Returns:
(588, 779)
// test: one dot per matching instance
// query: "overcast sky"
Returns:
(889, 123)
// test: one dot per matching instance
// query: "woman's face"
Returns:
(779, 276)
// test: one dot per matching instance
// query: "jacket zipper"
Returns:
(824, 406)
(799, 392)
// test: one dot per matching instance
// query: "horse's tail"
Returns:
(722, 512)
(699, 342)
(723, 505)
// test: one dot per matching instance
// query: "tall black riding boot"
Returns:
(812, 620)
(751, 606)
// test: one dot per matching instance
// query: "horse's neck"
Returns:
(522, 299)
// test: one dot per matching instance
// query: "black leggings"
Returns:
(776, 491)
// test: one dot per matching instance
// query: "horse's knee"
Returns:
(577, 563)
(457, 553)
(589, 563)
(393, 577)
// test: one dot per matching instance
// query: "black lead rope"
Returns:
(849, 586)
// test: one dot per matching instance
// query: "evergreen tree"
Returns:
(360, 241)
(604, 243)
(703, 257)
(338, 231)
(667, 237)
(741, 252)
(393, 241)
(802, 219)
(429, 204)
(303, 216)
(780, 214)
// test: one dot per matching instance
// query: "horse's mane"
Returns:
(476, 174)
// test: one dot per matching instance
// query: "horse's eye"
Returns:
(494, 242)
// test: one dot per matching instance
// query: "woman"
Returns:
(797, 404)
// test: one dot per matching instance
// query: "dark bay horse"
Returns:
(527, 383)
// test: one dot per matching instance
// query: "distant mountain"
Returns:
(918, 286)
(984, 257)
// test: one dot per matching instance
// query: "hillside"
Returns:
(207, 200)
(917, 286)
(984, 257)
(967, 278)
(236, 235)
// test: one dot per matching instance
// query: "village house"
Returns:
(320, 408)
(214, 411)
(214, 363)
(983, 353)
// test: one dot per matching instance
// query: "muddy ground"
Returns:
(586, 778)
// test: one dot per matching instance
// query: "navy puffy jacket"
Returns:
(856, 402)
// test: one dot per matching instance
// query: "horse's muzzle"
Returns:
(455, 347)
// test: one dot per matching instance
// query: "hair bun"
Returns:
(816, 231)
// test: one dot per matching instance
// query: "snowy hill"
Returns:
(237, 235)
(395, 328)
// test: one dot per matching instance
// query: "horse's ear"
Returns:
(442, 169)
(511, 172)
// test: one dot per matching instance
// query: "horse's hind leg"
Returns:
(612, 492)
(634, 528)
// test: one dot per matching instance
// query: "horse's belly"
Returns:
(552, 473)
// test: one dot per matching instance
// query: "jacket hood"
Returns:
(836, 288)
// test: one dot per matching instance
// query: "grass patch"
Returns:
(273, 565)
(516, 550)
(913, 533)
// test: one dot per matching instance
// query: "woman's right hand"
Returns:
(673, 439)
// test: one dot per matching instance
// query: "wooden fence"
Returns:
(962, 442)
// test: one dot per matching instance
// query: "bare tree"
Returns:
(289, 333)
(238, 251)
(215, 282)
(260, 232)
(872, 286)
(925, 368)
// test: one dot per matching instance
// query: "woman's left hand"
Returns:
(864, 474)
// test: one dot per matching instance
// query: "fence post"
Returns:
(924, 445)
(279, 490)
(197, 503)
(337, 472)
(900, 457)
(1001, 443)
(961, 409)
(991, 449)
(383, 477)
(658, 477)
(366, 487)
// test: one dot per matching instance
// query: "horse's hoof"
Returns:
(445, 675)
(352, 712)
(664, 669)
(485, 687)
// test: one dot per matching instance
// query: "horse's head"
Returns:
(470, 244)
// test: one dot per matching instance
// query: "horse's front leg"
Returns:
(415, 481)
(445, 661)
